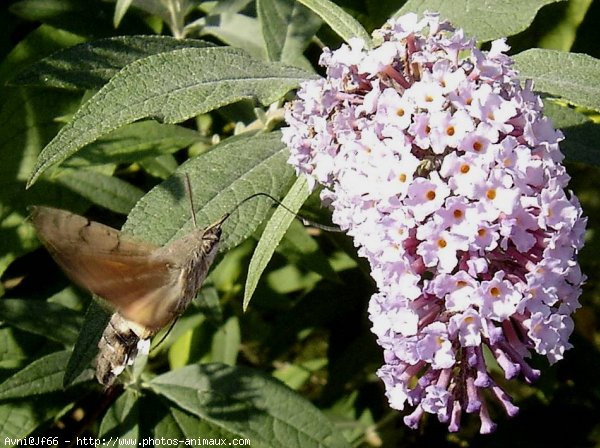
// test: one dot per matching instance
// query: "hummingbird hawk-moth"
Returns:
(149, 286)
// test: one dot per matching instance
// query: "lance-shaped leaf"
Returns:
(342, 23)
(571, 76)
(136, 142)
(43, 375)
(86, 347)
(122, 418)
(91, 65)
(249, 404)
(484, 19)
(273, 233)
(221, 179)
(170, 87)
(41, 317)
(107, 191)
(287, 27)
(581, 133)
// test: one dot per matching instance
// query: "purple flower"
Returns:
(445, 172)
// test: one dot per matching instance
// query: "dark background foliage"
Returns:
(307, 323)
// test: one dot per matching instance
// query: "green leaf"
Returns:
(14, 348)
(287, 28)
(120, 9)
(106, 191)
(295, 376)
(41, 318)
(581, 134)
(161, 166)
(236, 30)
(86, 347)
(302, 249)
(273, 233)
(38, 44)
(171, 87)
(42, 376)
(135, 142)
(91, 65)
(209, 305)
(484, 19)
(171, 422)
(244, 402)
(18, 418)
(121, 420)
(274, 17)
(232, 171)
(339, 20)
(226, 342)
(571, 76)
(82, 17)
(562, 34)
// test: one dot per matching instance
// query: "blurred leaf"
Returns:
(483, 19)
(135, 142)
(121, 420)
(287, 28)
(40, 43)
(582, 135)
(233, 170)
(41, 376)
(226, 342)
(160, 166)
(289, 279)
(14, 349)
(571, 76)
(41, 318)
(209, 305)
(86, 347)
(248, 404)
(106, 191)
(236, 30)
(192, 345)
(88, 18)
(301, 248)
(295, 376)
(92, 64)
(340, 21)
(120, 10)
(171, 87)
(562, 35)
(273, 233)
(18, 418)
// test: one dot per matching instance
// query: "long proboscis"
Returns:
(302, 219)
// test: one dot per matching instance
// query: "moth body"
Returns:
(148, 285)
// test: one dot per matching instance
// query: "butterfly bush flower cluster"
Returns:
(448, 177)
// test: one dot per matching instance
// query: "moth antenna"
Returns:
(188, 188)
(302, 219)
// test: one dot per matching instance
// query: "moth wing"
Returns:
(119, 269)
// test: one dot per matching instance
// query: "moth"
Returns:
(149, 286)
